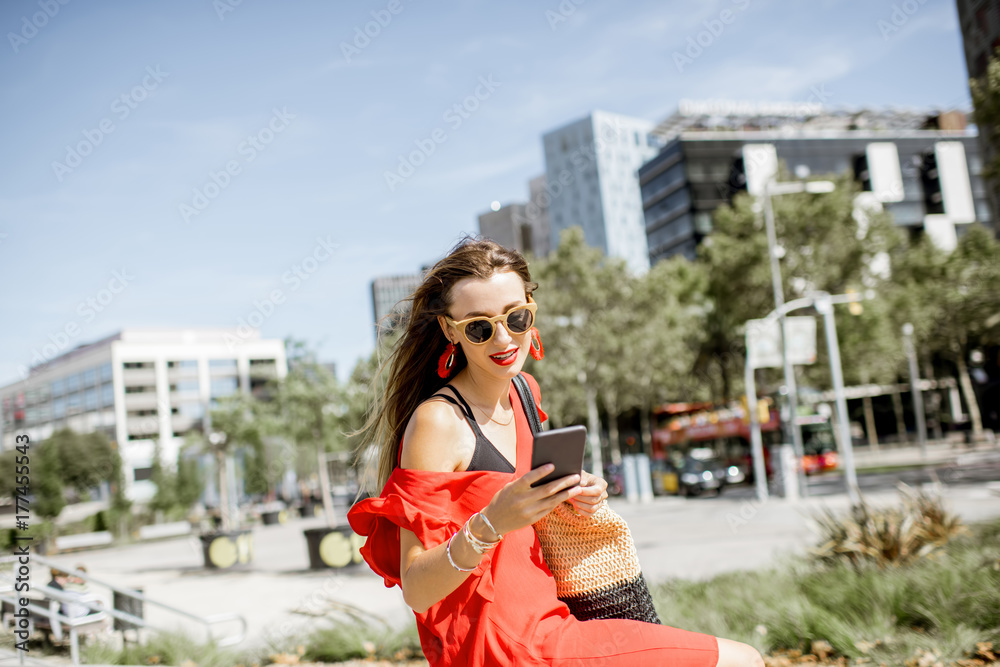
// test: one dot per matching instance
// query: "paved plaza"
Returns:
(687, 538)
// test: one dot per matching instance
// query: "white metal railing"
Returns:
(60, 623)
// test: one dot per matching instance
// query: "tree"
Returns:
(47, 482)
(189, 481)
(310, 408)
(659, 338)
(165, 497)
(235, 425)
(176, 490)
(570, 293)
(952, 301)
(827, 246)
(85, 459)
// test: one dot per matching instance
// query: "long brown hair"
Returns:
(413, 362)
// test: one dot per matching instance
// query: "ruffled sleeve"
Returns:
(431, 505)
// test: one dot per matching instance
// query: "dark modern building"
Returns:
(702, 168)
(980, 24)
(389, 294)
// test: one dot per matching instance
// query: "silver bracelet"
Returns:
(489, 525)
(478, 545)
(452, 560)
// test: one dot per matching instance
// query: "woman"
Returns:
(453, 524)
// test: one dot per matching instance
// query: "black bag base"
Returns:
(628, 600)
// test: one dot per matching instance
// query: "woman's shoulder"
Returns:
(435, 421)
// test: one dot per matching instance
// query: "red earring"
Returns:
(536, 349)
(447, 360)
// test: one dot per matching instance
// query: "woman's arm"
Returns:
(426, 575)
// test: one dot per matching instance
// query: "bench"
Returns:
(156, 531)
(84, 540)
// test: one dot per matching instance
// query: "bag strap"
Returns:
(528, 402)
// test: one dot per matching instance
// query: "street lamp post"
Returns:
(918, 400)
(824, 304)
(771, 188)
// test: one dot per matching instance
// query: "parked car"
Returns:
(698, 475)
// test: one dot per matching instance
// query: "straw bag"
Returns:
(592, 558)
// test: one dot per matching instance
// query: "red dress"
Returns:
(506, 612)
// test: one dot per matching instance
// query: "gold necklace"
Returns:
(490, 417)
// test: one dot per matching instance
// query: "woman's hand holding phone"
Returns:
(517, 505)
(593, 490)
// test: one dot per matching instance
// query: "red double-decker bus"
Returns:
(708, 431)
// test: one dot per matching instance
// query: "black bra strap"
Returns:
(451, 400)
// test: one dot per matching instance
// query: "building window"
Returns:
(185, 386)
(59, 408)
(191, 410)
(186, 363)
(141, 474)
(89, 377)
(107, 395)
(223, 387)
(222, 363)
(137, 364)
(72, 383)
(139, 389)
(58, 387)
(90, 399)
(106, 373)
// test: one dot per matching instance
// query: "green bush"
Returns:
(887, 536)
(163, 648)
(944, 604)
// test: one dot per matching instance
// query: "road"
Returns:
(966, 470)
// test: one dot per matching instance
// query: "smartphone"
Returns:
(563, 447)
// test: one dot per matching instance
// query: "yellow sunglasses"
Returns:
(479, 330)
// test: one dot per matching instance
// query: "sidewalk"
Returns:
(938, 452)
(675, 537)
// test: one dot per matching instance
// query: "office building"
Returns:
(537, 213)
(508, 226)
(926, 176)
(591, 180)
(388, 299)
(137, 386)
(521, 226)
(980, 24)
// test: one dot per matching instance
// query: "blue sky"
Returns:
(122, 118)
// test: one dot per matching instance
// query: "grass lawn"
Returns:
(940, 609)
(944, 604)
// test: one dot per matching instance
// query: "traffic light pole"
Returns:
(756, 442)
(824, 304)
(792, 430)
